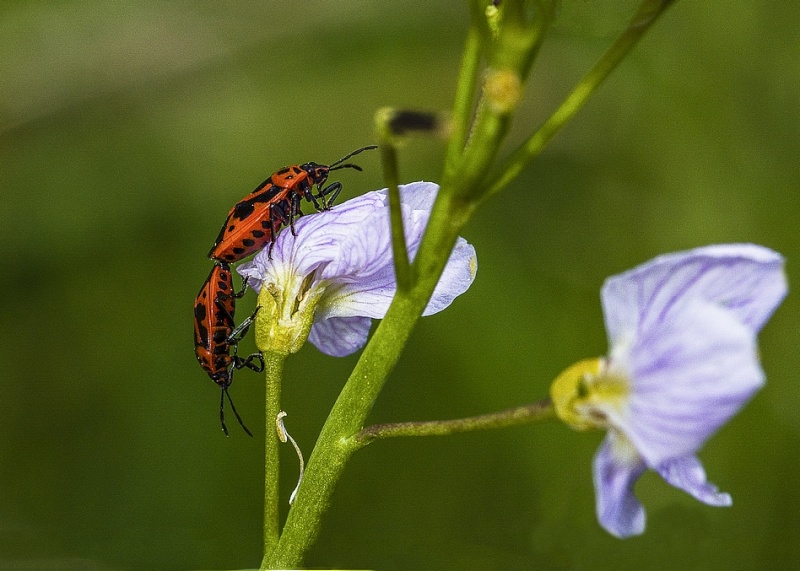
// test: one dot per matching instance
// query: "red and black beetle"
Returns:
(215, 335)
(255, 220)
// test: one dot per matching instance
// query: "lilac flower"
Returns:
(682, 361)
(328, 282)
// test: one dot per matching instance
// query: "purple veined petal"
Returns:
(349, 244)
(688, 375)
(340, 336)
(367, 250)
(686, 473)
(745, 278)
(616, 470)
(372, 296)
(327, 239)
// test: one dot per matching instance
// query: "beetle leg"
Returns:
(257, 367)
(333, 189)
(308, 194)
(294, 212)
(239, 333)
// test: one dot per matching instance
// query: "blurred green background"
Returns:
(127, 130)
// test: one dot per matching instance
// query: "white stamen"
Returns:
(284, 436)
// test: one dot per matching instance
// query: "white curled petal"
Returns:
(688, 376)
(339, 336)
(686, 473)
(458, 275)
(615, 473)
(746, 279)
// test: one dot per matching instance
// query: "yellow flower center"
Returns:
(585, 395)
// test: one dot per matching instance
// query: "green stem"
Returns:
(645, 17)
(402, 266)
(465, 96)
(510, 60)
(273, 362)
(527, 414)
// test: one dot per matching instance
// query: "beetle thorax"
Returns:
(317, 173)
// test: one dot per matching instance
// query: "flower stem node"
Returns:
(503, 90)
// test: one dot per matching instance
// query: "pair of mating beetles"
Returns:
(251, 224)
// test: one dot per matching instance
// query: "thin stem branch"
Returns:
(526, 414)
(645, 17)
(402, 266)
(465, 96)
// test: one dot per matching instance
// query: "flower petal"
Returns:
(687, 474)
(372, 297)
(340, 336)
(458, 275)
(689, 374)
(615, 473)
(419, 195)
(746, 279)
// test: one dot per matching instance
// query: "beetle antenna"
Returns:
(347, 166)
(222, 411)
(335, 166)
(233, 408)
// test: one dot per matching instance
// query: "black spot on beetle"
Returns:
(200, 311)
(203, 333)
(243, 209)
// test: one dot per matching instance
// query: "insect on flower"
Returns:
(255, 220)
(215, 334)
(326, 284)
